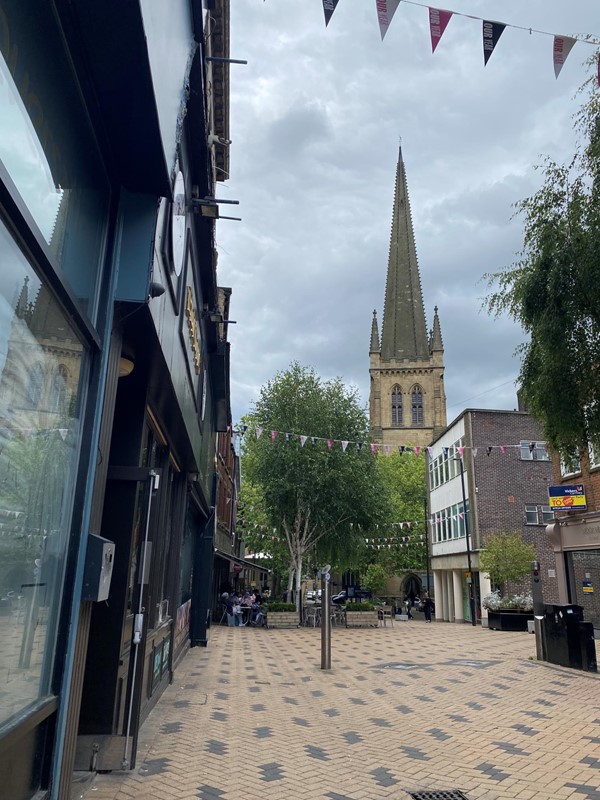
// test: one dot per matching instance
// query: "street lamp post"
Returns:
(470, 579)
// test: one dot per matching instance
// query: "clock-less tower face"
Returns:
(178, 224)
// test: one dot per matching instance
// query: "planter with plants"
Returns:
(361, 615)
(508, 613)
(282, 615)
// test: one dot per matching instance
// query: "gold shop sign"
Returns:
(192, 322)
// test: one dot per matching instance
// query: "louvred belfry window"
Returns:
(417, 405)
(396, 406)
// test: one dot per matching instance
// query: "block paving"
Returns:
(407, 711)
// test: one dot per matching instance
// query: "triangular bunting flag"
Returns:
(274, 435)
(344, 446)
(258, 432)
(313, 439)
(303, 440)
(288, 437)
(474, 451)
(400, 448)
(417, 450)
(329, 444)
(503, 449)
(562, 47)
(387, 448)
(374, 448)
(328, 9)
(461, 450)
(385, 12)
(63, 433)
(359, 445)
(489, 450)
(438, 20)
(492, 31)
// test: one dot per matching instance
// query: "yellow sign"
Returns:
(192, 320)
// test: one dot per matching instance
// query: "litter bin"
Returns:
(569, 641)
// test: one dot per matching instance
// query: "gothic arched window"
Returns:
(396, 406)
(417, 405)
(58, 392)
(34, 386)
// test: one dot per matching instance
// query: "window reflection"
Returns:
(40, 367)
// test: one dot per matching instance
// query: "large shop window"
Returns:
(40, 371)
(47, 148)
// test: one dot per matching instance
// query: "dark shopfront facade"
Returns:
(113, 381)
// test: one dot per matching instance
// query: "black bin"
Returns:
(568, 640)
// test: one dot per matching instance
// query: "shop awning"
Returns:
(242, 561)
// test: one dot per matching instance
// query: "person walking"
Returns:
(428, 606)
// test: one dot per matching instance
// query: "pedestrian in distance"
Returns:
(428, 606)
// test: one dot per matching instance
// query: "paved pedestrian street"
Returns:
(429, 712)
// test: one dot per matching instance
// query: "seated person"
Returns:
(227, 604)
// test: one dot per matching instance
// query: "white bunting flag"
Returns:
(258, 432)
(562, 47)
(385, 12)
(303, 440)
(344, 446)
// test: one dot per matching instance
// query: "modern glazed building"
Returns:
(113, 369)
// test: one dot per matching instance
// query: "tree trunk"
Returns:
(299, 585)
(291, 574)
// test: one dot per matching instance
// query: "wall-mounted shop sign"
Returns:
(567, 497)
(192, 324)
(587, 587)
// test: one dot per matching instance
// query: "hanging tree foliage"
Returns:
(553, 291)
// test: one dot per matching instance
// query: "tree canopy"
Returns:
(506, 557)
(320, 500)
(553, 290)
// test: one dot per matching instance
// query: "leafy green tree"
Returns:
(374, 578)
(506, 557)
(402, 477)
(322, 499)
(553, 290)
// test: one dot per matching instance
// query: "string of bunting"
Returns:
(491, 30)
(401, 525)
(387, 449)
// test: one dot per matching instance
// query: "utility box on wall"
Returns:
(98, 568)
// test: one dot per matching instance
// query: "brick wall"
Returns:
(503, 484)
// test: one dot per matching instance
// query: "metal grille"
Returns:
(447, 794)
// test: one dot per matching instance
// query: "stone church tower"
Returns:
(407, 398)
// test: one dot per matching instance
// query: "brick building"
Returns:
(506, 473)
(574, 536)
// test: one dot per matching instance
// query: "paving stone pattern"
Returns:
(472, 713)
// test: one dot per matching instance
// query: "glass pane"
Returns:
(40, 370)
(526, 452)
(47, 148)
(531, 515)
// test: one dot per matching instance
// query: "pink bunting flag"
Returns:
(461, 514)
(374, 448)
(258, 432)
(328, 9)
(430, 451)
(560, 51)
(329, 444)
(417, 450)
(344, 446)
(503, 449)
(438, 20)
(461, 450)
(385, 12)
(274, 435)
(303, 440)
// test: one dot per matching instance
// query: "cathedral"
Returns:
(407, 403)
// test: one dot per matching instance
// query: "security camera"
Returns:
(214, 139)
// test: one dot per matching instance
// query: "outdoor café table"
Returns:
(246, 613)
(311, 615)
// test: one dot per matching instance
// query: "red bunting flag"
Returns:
(328, 9)
(274, 435)
(561, 49)
(492, 31)
(374, 448)
(329, 444)
(417, 450)
(385, 11)
(438, 21)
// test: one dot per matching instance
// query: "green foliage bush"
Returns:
(280, 607)
(360, 607)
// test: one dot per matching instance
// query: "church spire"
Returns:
(436, 335)
(404, 331)
(374, 348)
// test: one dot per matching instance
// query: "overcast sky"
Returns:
(316, 117)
